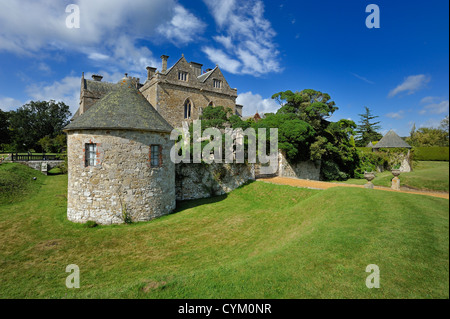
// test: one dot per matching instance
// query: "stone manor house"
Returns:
(118, 142)
(178, 93)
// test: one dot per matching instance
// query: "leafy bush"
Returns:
(64, 167)
(370, 162)
(433, 153)
(330, 172)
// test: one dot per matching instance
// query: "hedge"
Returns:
(432, 153)
(365, 149)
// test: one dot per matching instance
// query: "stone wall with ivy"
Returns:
(385, 159)
(193, 181)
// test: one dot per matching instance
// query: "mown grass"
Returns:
(260, 241)
(425, 176)
(17, 183)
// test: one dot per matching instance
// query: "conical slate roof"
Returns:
(390, 140)
(124, 108)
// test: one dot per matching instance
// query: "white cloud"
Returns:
(255, 103)
(246, 36)
(411, 84)
(183, 27)
(436, 108)
(32, 27)
(97, 56)
(429, 99)
(431, 123)
(396, 115)
(8, 104)
(225, 62)
(66, 90)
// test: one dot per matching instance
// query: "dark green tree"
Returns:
(5, 135)
(311, 106)
(367, 129)
(295, 136)
(35, 120)
(330, 142)
(215, 116)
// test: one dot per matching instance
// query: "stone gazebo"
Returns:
(119, 160)
(392, 140)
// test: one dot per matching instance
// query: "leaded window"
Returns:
(155, 155)
(91, 154)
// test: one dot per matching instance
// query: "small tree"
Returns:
(367, 129)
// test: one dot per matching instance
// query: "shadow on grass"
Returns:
(191, 203)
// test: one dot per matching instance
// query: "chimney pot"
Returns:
(164, 59)
(96, 77)
(150, 72)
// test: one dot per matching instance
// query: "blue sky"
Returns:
(399, 70)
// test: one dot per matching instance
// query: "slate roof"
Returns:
(122, 108)
(205, 76)
(98, 86)
(391, 140)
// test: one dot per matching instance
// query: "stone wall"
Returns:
(303, 170)
(122, 178)
(38, 164)
(195, 181)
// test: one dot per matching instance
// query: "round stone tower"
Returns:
(119, 160)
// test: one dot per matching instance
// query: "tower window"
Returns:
(182, 76)
(217, 84)
(90, 154)
(155, 155)
(187, 109)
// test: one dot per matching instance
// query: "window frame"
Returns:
(217, 83)
(155, 155)
(183, 76)
(187, 108)
(90, 156)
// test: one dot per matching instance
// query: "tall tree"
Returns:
(444, 124)
(316, 138)
(5, 135)
(367, 129)
(311, 106)
(35, 120)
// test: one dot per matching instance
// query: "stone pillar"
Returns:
(44, 168)
(396, 183)
(368, 185)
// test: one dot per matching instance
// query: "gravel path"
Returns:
(325, 185)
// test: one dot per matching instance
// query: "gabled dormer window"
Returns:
(182, 76)
(217, 84)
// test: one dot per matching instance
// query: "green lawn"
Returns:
(425, 176)
(260, 241)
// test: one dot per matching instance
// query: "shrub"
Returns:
(330, 172)
(370, 162)
(433, 153)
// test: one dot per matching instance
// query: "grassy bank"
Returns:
(425, 176)
(260, 241)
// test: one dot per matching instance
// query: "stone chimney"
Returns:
(164, 63)
(97, 77)
(197, 68)
(150, 72)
